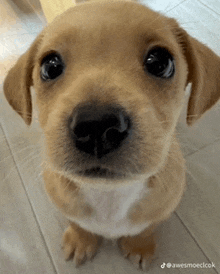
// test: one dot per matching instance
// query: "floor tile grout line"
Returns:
(174, 7)
(194, 239)
(203, 4)
(203, 147)
(29, 201)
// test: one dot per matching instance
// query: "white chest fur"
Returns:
(110, 210)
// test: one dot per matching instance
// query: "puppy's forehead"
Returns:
(111, 20)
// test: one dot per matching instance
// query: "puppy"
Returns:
(110, 81)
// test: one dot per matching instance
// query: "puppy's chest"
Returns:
(110, 210)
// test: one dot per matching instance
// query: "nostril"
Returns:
(124, 123)
(101, 131)
(84, 139)
(83, 131)
(111, 135)
(118, 133)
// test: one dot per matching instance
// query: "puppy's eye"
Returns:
(51, 67)
(160, 63)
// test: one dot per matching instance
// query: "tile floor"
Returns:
(31, 228)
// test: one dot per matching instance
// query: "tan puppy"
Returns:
(110, 81)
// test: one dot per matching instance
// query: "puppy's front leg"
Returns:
(139, 249)
(80, 244)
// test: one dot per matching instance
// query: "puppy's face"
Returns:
(110, 84)
(110, 81)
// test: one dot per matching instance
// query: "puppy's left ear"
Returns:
(203, 73)
(18, 82)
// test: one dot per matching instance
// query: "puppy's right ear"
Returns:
(18, 82)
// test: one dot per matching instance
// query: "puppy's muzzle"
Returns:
(99, 130)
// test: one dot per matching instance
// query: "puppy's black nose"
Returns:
(100, 130)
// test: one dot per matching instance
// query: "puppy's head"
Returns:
(110, 81)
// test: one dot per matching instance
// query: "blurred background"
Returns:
(31, 228)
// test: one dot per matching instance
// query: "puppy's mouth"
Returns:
(99, 172)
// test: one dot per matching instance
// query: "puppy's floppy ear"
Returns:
(18, 82)
(203, 73)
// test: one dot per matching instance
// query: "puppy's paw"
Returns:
(79, 244)
(139, 250)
